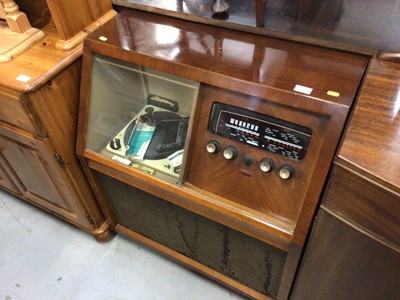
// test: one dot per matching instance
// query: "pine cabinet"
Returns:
(39, 94)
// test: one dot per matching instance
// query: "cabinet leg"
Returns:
(104, 233)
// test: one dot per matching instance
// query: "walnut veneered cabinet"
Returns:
(212, 145)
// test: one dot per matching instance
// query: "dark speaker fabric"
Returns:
(236, 255)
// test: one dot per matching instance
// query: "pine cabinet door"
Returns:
(41, 175)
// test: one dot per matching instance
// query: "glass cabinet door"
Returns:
(140, 116)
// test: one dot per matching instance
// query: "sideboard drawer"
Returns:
(13, 111)
(368, 205)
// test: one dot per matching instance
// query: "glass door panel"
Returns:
(140, 116)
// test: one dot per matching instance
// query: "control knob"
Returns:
(230, 153)
(247, 160)
(213, 147)
(267, 165)
(286, 172)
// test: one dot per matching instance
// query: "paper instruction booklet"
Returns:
(139, 140)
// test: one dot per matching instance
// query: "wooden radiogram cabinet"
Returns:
(210, 145)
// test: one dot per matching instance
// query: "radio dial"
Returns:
(286, 172)
(267, 165)
(213, 147)
(230, 153)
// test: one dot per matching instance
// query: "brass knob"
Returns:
(267, 165)
(213, 147)
(286, 172)
(230, 153)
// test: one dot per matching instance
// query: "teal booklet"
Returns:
(140, 140)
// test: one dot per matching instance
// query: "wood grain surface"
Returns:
(345, 263)
(245, 70)
(371, 206)
(371, 144)
(250, 67)
(73, 17)
(336, 23)
(247, 63)
(39, 63)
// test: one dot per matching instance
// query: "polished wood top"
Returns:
(231, 59)
(40, 63)
(371, 144)
(360, 25)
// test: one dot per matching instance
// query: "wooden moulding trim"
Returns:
(360, 229)
(99, 194)
(204, 194)
(194, 265)
(86, 74)
(313, 194)
(366, 175)
(26, 40)
(289, 272)
(68, 216)
(229, 82)
(52, 208)
(78, 38)
(245, 222)
(36, 84)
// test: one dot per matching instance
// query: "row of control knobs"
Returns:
(266, 164)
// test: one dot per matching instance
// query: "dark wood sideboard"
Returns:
(354, 250)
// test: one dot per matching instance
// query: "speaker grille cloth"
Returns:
(236, 255)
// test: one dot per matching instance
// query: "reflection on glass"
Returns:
(370, 24)
(140, 117)
(396, 107)
(233, 51)
(166, 34)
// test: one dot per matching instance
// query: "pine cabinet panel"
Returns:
(13, 112)
(35, 168)
(38, 175)
(5, 180)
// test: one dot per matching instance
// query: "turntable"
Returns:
(152, 141)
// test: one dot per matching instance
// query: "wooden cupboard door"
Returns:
(40, 177)
(5, 180)
(344, 262)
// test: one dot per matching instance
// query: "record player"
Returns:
(154, 138)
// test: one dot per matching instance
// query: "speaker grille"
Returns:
(236, 255)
